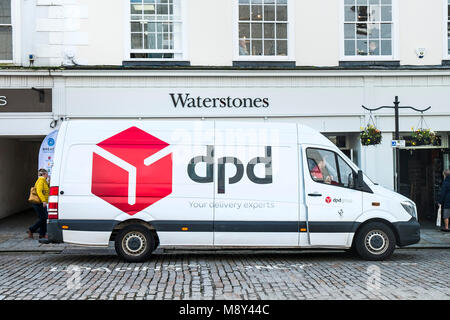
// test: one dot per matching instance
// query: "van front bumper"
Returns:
(408, 232)
(54, 231)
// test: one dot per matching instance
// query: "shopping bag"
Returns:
(439, 217)
(34, 198)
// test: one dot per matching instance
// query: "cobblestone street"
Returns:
(98, 274)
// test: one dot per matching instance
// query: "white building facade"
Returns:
(311, 62)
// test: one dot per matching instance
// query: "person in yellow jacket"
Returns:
(43, 190)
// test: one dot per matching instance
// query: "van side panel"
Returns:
(256, 185)
(117, 170)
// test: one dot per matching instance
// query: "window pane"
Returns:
(322, 166)
(244, 47)
(386, 2)
(257, 47)
(136, 41)
(350, 13)
(136, 9)
(386, 31)
(281, 31)
(269, 30)
(376, 2)
(281, 13)
(361, 2)
(386, 13)
(349, 31)
(269, 47)
(349, 2)
(244, 30)
(136, 27)
(374, 13)
(346, 173)
(5, 11)
(150, 41)
(374, 48)
(361, 30)
(373, 30)
(269, 13)
(244, 13)
(349, 47)
(257, 30)
(257, 13)
(149, 8)
(386, 47)
(362, 13)
(282, 48)
(361, 47)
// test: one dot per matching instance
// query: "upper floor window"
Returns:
(156, 29)
(368, 28)
(448, 26)
(263, 28)
(6, 43)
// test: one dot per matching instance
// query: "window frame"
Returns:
(290, 37)
(395, 38)
(336, 159)
(183, 54)
(15, 33)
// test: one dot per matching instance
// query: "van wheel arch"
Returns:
(386, 222)
(126, 223)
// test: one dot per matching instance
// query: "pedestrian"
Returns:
(42, 190)
(444, 199)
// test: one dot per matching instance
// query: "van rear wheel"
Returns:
(375, 241)
(134, 243)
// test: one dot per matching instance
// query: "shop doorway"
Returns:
(421, 179)
(18, 172)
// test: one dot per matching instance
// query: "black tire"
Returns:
(134, 243)
(375, 241)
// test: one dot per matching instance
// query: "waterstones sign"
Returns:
(186, 100)
(205, 102)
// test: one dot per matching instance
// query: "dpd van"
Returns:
(145, 183)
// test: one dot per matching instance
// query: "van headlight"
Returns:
(410, 207)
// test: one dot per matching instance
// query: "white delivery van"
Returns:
(145, 183)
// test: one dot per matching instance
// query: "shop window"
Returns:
(263, 28)
(155, 29)
(6, 43)
(368, 28)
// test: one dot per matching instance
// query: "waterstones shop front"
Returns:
(328, 100)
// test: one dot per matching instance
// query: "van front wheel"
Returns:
(375, 241)
(134, 243)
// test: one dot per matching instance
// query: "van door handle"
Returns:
(314, 194)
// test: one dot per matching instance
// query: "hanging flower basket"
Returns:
(370, 136)
(423, 137)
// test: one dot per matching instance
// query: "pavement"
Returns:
(13, 237)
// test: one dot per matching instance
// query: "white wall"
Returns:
(18, 172)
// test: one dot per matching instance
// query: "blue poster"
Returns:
(46, 152)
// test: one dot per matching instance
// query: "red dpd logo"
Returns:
(132, 170)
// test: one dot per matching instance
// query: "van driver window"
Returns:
(322, 166)
(328, 167)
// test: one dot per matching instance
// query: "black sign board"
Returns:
(25, 100)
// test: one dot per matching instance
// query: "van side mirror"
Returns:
(359, 180)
